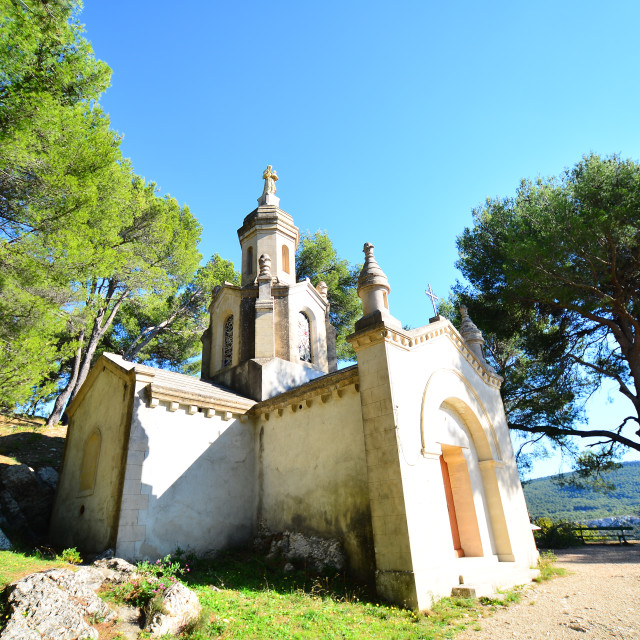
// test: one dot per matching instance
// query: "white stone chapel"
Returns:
(404, 457)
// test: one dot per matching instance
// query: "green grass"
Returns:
(244, 597)
(548, 570)
(15, 565)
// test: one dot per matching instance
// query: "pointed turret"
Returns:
(472, 336)
(373, 290)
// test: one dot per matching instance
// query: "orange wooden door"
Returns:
(453, 520)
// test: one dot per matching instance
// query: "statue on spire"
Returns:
(269, 176)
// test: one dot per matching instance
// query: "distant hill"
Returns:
(545, 498)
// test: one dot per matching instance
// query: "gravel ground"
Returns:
(599, 598)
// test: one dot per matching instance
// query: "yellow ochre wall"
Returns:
(312, 474)
(88, 519)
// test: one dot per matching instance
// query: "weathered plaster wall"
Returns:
(189, 481)
(312, 475)
(88, 518)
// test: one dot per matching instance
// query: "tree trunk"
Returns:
(98, 331)
(61, 400)
(82, 361)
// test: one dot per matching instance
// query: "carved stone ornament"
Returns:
(322, 289)
(265, 266)
(472, 336)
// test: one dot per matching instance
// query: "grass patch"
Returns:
(28, 441)
(548, 570)
(16, 564)
(246, 597)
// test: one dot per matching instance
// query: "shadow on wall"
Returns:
(200, 504)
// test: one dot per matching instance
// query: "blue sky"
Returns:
(387, 122)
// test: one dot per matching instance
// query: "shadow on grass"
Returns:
(244, 571)
(33, 448)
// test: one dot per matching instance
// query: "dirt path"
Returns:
(600, 598)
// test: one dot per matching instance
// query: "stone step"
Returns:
(478, 583)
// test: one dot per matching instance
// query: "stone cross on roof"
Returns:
(433, 297)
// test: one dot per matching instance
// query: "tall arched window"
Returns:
(248, 267)
(304, 337)
(227, 342)
(285, 258)
(90, 463)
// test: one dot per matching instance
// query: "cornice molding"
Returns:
(409, 340)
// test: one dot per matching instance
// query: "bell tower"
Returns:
(271, 333)
(268, 230)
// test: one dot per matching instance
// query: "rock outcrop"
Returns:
(180, 606)
(319, 554)
(61, 604)
(26, 500)
(53, 605)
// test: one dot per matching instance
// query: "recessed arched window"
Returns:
(304, 337)
(248, 267)
(90, 463)
(285, 258)
(227, 342)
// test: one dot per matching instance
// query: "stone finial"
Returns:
(472, 335)
(373, 289)
(264, 261)
(323, 289)
(268, 196)
(371, 274)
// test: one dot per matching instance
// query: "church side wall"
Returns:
(85, 513)
(312, 474)
(189, 481)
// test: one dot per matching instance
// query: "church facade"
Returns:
(404, 457)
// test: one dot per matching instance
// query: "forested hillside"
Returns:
(545, 497)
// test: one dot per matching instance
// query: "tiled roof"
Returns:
(179, 384)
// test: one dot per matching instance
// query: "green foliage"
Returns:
(146, 590)
(72, 556)
(553, 278)
(592, 470)
(564, 500)
(555, 535)
(317, 260)
(58, 162)
(164, 328)
(546, 565)
(80, 233)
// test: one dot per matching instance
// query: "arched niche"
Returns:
(447, 388)
(285, 259)
(448, 392)
(248, 265)
(90, 459)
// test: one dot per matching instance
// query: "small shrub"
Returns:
(154, 579)
(548, 570)
(72, 556)
(556, 535)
